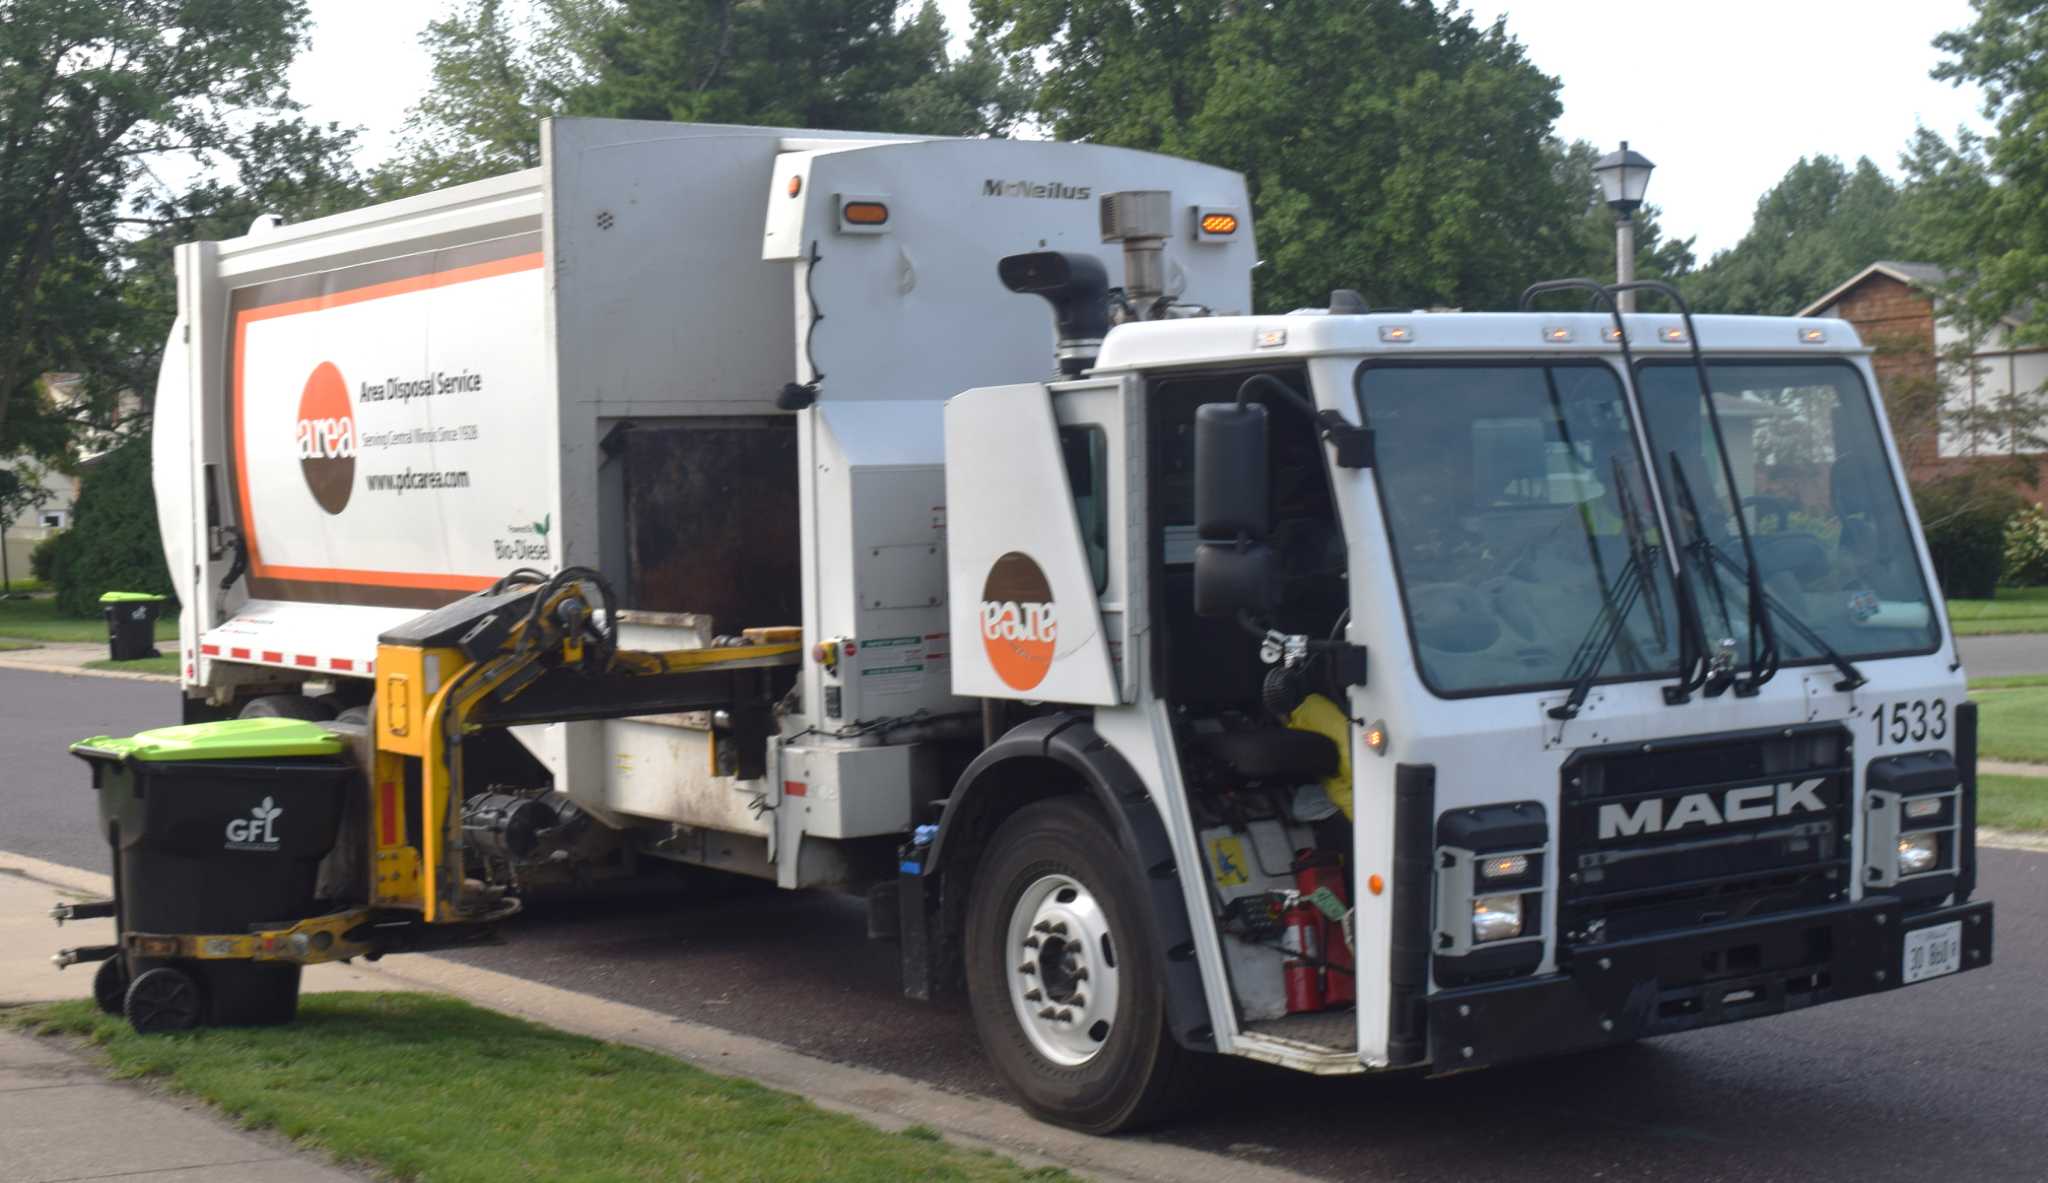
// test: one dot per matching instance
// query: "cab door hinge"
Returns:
(1352, 443)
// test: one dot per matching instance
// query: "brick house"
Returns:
(1929, 373)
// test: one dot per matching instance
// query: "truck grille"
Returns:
(1670, 836)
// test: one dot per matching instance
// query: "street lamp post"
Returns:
(1624, 177)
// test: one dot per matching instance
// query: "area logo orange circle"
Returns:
(327, 438)
(1019, 626)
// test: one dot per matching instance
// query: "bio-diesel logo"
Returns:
(327, 438)
(255, 831)
(1045, 190)
(1753, 803)
(1018, 624)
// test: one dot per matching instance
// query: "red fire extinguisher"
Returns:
(1303, 975)
(1317, 869)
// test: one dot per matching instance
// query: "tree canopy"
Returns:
(94, 100)
(1395, 147)
(1980, 199)
(1820, 224)
(849, 65)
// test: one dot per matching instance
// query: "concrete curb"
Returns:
(879, 1098)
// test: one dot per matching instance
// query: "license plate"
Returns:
(1932, 952)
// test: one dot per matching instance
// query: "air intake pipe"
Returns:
(1077, 287)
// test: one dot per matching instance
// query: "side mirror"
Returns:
(1233, 564)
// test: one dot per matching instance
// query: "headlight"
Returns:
(1918, 853)
(1496, 918)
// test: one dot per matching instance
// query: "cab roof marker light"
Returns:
(1813, 336)
(1557, 335)
(1671, 335)
(1610, 334)
(1396, 334)
(1269, 338)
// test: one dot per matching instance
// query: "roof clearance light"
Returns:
(1396, 334)
(1219, 223)
(796, 185)
(865, 213)
(1269, 339)
(1610, 334)
(1672, 334)
(1557, 335)
(1813, 336)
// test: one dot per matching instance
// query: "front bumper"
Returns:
(1623, 990)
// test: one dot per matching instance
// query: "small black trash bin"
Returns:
(131, 624)
(219, 828)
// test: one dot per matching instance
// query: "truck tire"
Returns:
(1065, 979)
(286, 706)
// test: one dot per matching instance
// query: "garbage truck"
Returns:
(1356, 690)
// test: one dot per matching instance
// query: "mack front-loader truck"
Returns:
(1353, 690)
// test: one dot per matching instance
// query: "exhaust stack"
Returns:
(1142, 220)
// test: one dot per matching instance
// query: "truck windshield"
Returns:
(1519, 522)
(1817, 493)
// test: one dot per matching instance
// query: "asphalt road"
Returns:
(1943, 1079)
(2003, 656)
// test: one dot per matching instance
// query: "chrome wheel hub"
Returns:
(1062, 971)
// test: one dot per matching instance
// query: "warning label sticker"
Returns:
(899, 665)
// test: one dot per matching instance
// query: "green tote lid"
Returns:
(229, 739)
(130, 598)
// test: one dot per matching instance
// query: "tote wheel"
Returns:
(164, 999)
(110, 985)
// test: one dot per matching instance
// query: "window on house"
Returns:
(53, 519)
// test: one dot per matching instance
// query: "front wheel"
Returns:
(1065, 975)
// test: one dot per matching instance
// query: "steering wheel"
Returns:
(1453, 617)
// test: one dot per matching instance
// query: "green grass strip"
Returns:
(166, 663)
(2012, 802)
(2012, 723)
(420, 1086)
(37, 619)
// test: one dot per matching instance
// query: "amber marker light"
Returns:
(865, 213)
(796, 185)
(1219, 223)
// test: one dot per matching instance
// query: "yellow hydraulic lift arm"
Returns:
(532, 649)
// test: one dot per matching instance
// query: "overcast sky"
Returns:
(1723, 97)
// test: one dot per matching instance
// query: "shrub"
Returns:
(2026, 547)
(40, 559)
(1964, 518)
(113, 543)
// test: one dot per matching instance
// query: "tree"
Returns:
(21, 490)
(850, 65)
(1390, 145)
(1982, 197)
(90, 96)
(113, 543)
(1820, 224)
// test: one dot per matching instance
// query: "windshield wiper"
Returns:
(1636, 580)
(1714, 556)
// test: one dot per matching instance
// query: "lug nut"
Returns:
(1059, 928)
(1032, 995)
(1031, 942)
(1065, 1016)
(1029, 967)
(1081, 974)
(1078, 1000)
(1042, 926)
(1047, 1013)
